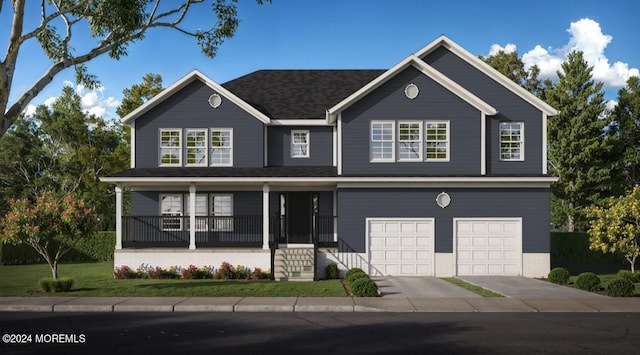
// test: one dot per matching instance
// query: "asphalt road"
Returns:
(295, 333)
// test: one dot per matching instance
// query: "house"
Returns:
(437, 166)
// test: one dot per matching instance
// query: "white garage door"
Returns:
(401, 246)
(488, 246)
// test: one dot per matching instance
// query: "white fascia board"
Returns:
(301, 122)
(424, 68)
(454, 87)
(132, 145)
(340, 180)
(186, 80)
(489, 71)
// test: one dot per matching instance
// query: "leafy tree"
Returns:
(63, 27)
(616, 227)
(63, 151)
(581, 154)
(626, 116)
(50, 225)
(138, 94)
(510, 65)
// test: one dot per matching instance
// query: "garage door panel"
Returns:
(401, 246)
(488, 246)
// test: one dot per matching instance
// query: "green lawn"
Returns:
(473, 288)
(605, 279)
(95, 279)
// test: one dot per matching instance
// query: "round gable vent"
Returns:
(411, 91)
(215, 100)
(443, 200)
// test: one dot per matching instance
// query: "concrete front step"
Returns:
(294, 264)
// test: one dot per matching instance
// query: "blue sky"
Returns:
(359, 34)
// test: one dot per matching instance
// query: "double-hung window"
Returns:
(382, 141)
(409, 141)
(222, 212)
(299, 144)
(512, 141)
(196, 147)
(436, 140)
(201, 211)
(170, 147)
(171, 212)
(221, 147)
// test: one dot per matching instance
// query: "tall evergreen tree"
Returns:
(626, 116)
(512, 66)
(579, 150)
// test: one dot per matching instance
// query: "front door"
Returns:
(299, 214)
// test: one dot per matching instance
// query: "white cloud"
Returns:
(586, 36)
(30, 110)
(509, 48)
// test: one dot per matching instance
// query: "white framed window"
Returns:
(512, 141)
(221, 147)
(409, 141)
(201, 211)
(382, 148)
(436, 138)
(222, 211)
(196, 147)
(170, 147)
(171, 212)
(299, 144)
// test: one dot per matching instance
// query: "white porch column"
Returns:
(192, 216)
(118, 216)
(265, 216)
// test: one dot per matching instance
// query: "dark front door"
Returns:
(298, 213)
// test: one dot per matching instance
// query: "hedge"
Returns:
(98, 247)
(571, 250)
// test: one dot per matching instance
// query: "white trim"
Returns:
(421, 145)
(393, 219)
(448, 132)
(393, 141)
(132, 145)
(455, 238)
(427, 70)
(181, 213)
(304, 181)
(339, 144)
(487, 70)
(335, 215)
(483, 144)
(179, 148)
(265, 148)
(307, 143)
(219, 129)
(545, 163)
(186, 80)
(192, 217)
(300, 122)
(118, 190)
(206, 146)
(522, 140)
(265, 216)
(334, 144)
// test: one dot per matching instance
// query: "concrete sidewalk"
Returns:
(315, 304)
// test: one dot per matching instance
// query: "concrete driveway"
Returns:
(509, 286)
(523, 287)
(420, 287)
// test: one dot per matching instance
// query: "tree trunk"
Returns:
(54, 270)
(571, 226)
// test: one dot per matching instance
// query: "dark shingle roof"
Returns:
(285, 171)
(298, 94)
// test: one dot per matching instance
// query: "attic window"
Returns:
(411, 91)
(215, 100)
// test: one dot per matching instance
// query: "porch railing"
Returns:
(173, 231)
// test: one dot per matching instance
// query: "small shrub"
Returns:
(258, 274)
(160, 273)
(193, 273)
(588, 281)
(59, 285)
(364, 287)
(559, 275)
(125, 272)
(625, 274)
(356, 276)
(332, 271)
(355, 270)
(619, 287)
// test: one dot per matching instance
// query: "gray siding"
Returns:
(320, 146)
(389, 102)
(189, 108)
(245, 203)
(510, 106)
(354, 205)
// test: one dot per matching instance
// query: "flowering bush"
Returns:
(160, 273)
(225, 272)
(124, 272)
(193, 273)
